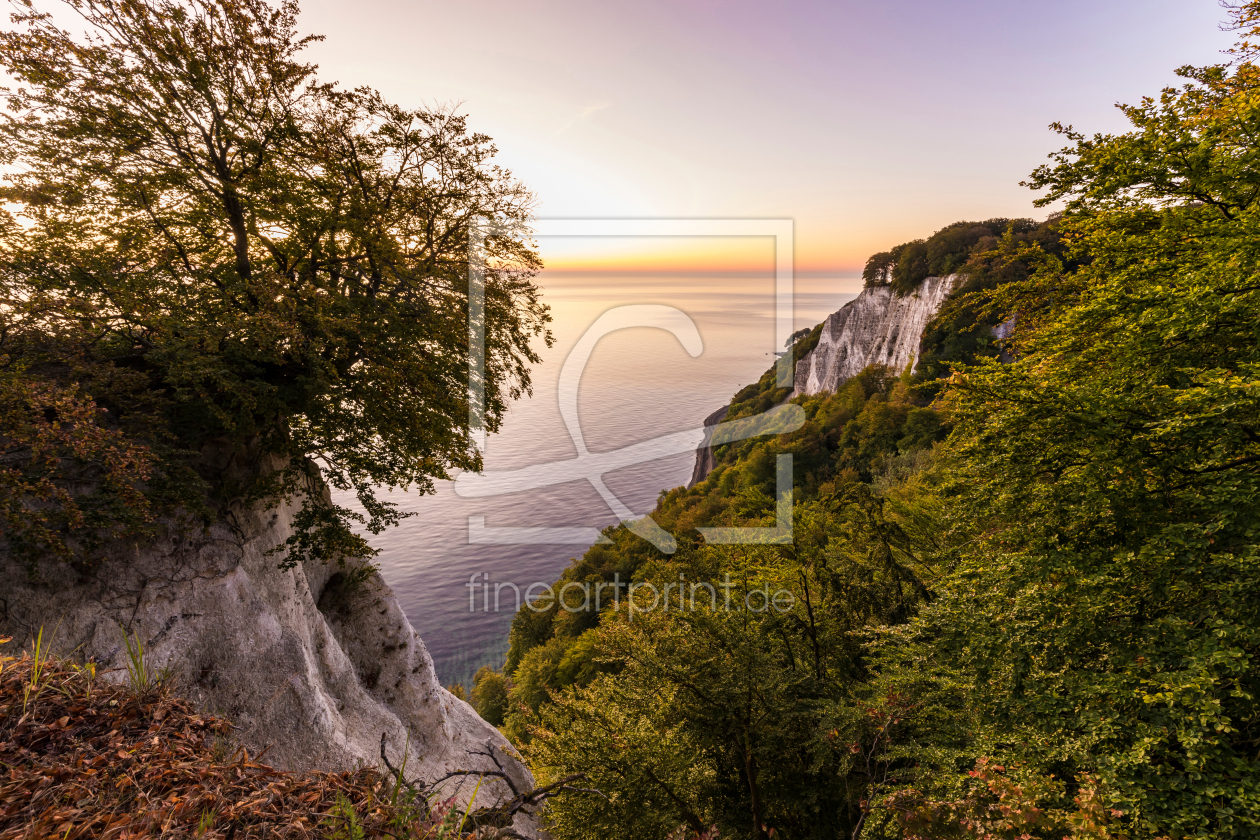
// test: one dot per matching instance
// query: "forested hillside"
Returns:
(1020, 595)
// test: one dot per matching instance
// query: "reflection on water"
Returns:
(639, 384)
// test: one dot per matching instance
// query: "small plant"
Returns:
(344, 586)
(399, 777)
(357, 576)
(684, 832)
(459, 832)
(407, 804)
(221, 747)
(444, 821)
(86, 671)
(345, 820)
(206, 822)
(141, 675)
(39, 660)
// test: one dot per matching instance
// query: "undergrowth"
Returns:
(84, 758)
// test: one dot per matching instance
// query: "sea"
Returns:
(640, 387)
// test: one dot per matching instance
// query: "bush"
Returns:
(490, 695)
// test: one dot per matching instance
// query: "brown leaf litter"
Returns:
(81, 757)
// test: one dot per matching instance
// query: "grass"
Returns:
(205, 823)
(141, 675)
(39, 663)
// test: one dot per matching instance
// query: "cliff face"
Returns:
(873, 328)
(705, 462)
(304, 664)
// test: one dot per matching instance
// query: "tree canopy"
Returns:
(904, 267)
(234, 260)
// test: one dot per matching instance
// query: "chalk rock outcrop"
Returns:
(305, 662)
(705, 460)
(876, 327)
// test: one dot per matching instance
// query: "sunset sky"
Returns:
(868, 123)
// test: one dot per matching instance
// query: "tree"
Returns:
(740, 705)
(53, 441)
(878, 269)
(490, 695)
(284, 263)
(945, 252)
(1104, 612)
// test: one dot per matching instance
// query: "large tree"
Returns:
(1105, 613)
(237, 261)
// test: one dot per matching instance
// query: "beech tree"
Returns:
(256, 273)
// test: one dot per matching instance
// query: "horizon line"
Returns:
(809, 273)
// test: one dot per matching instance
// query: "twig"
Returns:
(398, 773)
(455, 773)
(520, 801)
(489, 753)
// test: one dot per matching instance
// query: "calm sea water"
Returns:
(639, 384)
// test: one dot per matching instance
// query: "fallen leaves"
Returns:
(106, 763)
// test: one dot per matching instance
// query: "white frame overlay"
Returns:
(591, 466)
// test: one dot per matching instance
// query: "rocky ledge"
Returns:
(312, 666)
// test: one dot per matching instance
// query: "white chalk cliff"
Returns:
(876, 327)
(306, 666)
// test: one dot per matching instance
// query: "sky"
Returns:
(867, 122)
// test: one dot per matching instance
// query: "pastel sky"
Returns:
(867, 122)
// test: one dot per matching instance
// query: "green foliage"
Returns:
(765, 392)
(65, 471)
(490, 695)
(797, 336)
(729, 713)
(964, 330)
(872, 427)
(39, 658)
(248, 267)
(1103, 614)
(343, 821)
(143, 677)
(1047, 629)
(205, 823)
(735, 718)
(945, 252)
(1012, 803)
